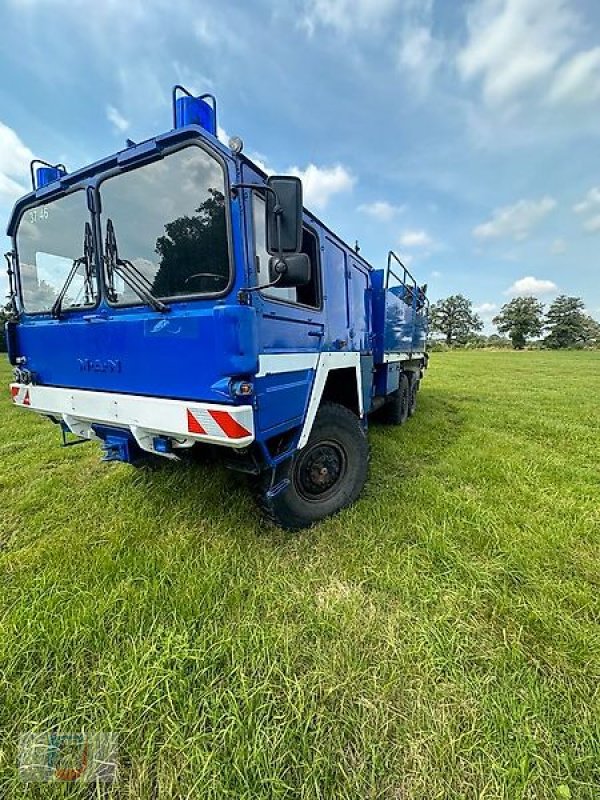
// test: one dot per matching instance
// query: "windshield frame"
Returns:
(38, 202)
(101, 221)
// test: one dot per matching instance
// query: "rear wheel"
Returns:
(328, 474)
(395, 411)
(413, 388)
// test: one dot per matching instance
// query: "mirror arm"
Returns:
(256, 187)
(243, 293)
(277, 210)
(264, 286)
(12, 291)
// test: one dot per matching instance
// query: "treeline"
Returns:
(523, 322)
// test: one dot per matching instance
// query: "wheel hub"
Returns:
(320, 470)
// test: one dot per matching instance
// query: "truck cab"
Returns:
(172, 296)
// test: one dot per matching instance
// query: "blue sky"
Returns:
(464, 135)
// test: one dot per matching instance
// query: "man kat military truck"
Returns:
(172, 296)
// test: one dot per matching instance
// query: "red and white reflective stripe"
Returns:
(20, 395)
(211, 422)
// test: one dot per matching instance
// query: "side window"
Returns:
(304, 295)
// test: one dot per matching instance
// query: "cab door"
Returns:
(291, 325)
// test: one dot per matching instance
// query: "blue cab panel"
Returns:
(282, 400)
(134, 351)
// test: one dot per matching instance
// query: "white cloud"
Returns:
(118, 121)
(320, 183)
(222, 135)
(15, 158)
(261, 163)
(381, 210)
(558, 247)
(514, 46)
(590, 205)
(515, 221)
(436, 274)
(531, 287)
(592, 225)
(420, 54)
(578, 80)
(486, 311)
(590, 202)
(346, 15)
(10, 190)
(415, 239)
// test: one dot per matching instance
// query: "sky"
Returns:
(463, 135)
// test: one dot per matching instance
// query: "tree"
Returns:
(192, 245)
(495, 340)
(455, 319)
(591, 332)
(5, 315)
(566, 323)
(520, 319)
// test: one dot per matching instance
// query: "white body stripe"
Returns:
(276, 363)
(327, 362)
(390, 358)
(145, 417)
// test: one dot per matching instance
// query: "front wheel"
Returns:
(328, 474)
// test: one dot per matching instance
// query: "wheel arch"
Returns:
(338, 379)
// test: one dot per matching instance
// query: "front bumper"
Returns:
(182, 422)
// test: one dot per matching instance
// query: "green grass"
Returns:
(438, 640)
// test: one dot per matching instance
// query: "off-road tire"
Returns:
(395, 411)
(327, 475)
(413, 388)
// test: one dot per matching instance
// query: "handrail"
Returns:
(12, 290)
(407, 274)
(417, 296)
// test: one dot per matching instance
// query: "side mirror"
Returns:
(290, 270)
(284, 215)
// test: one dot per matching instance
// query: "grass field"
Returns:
(438, 640)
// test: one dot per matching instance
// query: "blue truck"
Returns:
(173, 297)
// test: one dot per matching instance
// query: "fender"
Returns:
(326, 363)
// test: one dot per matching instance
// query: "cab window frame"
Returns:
(165, 153)
(38, 202)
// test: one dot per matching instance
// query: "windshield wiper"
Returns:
(132, 276)
(86, 259)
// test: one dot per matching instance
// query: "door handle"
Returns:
(317, 334)
(95, 318)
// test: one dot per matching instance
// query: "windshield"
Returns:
(50, 238)
(169, 226)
